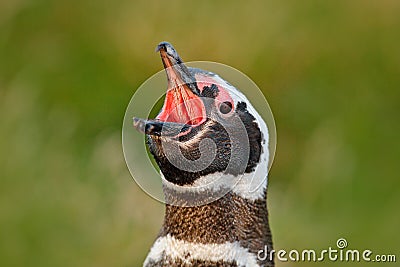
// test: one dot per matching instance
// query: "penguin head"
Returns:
(206, 126)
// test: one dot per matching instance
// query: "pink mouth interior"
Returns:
(182, 106)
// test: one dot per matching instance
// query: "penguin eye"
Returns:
(225, 107)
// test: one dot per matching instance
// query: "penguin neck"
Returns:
(229, 219)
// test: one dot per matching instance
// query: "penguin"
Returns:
(211, 146)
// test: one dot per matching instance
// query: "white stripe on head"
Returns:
(168, 246)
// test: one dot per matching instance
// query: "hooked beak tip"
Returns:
(162, 46)
(167, 48)
(168, 53)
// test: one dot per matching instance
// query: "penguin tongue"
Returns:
(183, 106)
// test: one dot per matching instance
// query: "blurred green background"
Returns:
(329, 69)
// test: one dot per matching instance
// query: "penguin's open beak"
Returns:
(183, 108)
